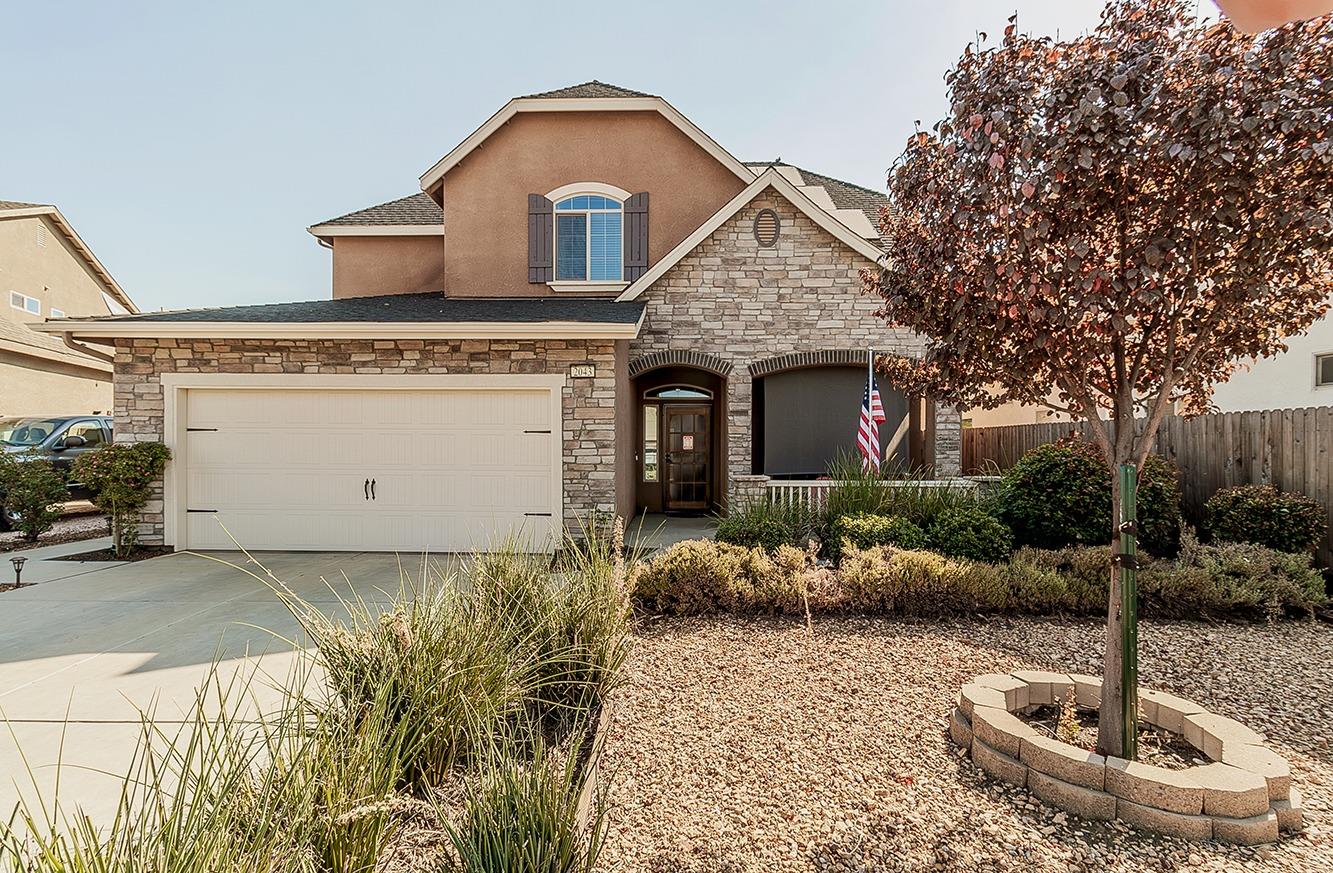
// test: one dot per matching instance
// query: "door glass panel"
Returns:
(650, 461)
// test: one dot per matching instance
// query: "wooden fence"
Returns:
(1289, 448)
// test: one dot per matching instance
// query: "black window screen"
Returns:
(810, 416)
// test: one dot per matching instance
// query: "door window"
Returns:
(650, 429)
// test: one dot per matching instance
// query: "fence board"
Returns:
(1289, 448)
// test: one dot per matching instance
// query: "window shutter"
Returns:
(636, 236)
(541, 237)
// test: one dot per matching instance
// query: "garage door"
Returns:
(438, 470)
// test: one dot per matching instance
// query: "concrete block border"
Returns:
(1244, 796)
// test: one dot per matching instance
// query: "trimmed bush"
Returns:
(866, 530)
(916, 583)
(1059, 495)
(31, 488)
(768, 525)
(1288, 522)
(700, 576)
(121, 478)
(970, 532)
(1245, 580)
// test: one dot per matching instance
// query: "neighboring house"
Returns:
(591, 307)
(1299, 377)
(46, 270)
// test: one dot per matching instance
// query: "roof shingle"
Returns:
(431, 306)
(845, 195)
(410, 210)
(18, 204)
(587, 89)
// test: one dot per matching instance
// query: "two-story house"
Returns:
(589, 306)
(47, 270)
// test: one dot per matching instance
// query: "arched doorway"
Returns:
(679, 440)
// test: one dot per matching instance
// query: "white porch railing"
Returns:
(814, 492)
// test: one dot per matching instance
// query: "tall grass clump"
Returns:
(894, 492)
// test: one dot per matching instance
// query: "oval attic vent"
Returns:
(767, 227)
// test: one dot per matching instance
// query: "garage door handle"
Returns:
(366, 488)
(372, 489)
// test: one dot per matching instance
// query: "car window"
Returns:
(27, 431)
(91, 432)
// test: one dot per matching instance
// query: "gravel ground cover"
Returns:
(748, 745)
(81, 522)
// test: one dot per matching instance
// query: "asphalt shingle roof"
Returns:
(588, 89)
(18, 204)
(405, 308)
(412, 209)
(845, 195)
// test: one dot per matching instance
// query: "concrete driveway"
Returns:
(93, 645)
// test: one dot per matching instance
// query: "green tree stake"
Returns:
(1129, 609)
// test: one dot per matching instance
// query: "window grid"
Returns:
(22, 301)
(589, 239)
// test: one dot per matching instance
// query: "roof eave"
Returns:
(432, 177)
(111, 328)
(324, 231)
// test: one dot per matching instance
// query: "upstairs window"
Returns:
(24, 302)
(588, 239)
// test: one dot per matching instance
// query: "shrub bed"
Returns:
(1289, 522)
(1222, 581)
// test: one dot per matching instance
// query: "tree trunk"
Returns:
(1110, 719)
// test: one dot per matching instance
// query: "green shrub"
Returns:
(918, 583)
(31, 488)
(1059, 495)
(972, 533)
(1243, 580)
(767, 525)
(121, 478)
(865, 530)
(1289, 522)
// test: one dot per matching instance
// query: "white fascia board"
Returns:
(109, 284)
(584, 104)
(335, 330)
(326, 230)
(770, 178)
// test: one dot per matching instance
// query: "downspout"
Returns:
(79, 347)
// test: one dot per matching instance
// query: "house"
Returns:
(1300, 377)
(46, 269)
(590, 307)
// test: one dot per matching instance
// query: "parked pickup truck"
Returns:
(59, 438)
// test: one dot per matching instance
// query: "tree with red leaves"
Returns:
(1104, 225)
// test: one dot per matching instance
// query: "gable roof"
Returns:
(10, 209)
(413, 215)
(770, 178)
(18, 338)
(587, 89)
(842, 195)
(588, 97)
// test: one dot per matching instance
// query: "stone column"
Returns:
(747, 490)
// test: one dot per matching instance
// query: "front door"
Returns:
(688, 458)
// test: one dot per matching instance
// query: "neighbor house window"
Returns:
(57, 313)
(24, 302)
(588, 242)
(1323, 369)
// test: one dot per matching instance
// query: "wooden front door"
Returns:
(688, 458)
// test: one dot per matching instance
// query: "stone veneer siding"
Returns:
(589, 404)
(744, 303)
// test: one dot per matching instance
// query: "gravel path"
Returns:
(746, 746)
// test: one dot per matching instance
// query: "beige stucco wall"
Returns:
(55, 274)
(486, 196)
(370, 265)
(33, 386)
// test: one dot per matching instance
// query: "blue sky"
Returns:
(191, 144)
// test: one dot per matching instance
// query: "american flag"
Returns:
(872, 416)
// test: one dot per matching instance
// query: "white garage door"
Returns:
(411, 470)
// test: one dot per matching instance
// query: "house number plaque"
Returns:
(583, 371)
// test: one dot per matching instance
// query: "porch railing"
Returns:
(814, 492)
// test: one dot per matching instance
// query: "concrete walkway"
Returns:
(652, 531)
(92, 646)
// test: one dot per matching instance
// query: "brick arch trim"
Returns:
(798, 360)
(680, 358)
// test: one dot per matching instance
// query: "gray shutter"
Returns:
(636, 236)
(541, 237)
